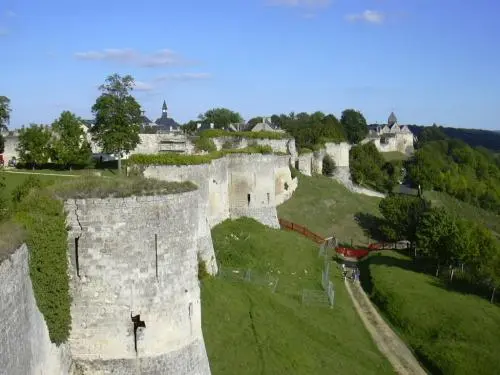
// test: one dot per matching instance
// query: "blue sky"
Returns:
(428, 60)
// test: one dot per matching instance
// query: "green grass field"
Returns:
(248, 329)
(325, 207)
(395, 155)
(451, 333)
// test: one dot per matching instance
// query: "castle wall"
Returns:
(252, 188)
(339, 152)
(305, 163)
(317, 162)
(136, 256)
(286, 145)
(401, 142)
(11, 143)
(25, 347)
(229, 179)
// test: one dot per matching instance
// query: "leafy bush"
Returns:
(44, 219)
(228, 145)
(328, 166)
(305, 150)
(202, 269)
(11, 237)
(205, 144)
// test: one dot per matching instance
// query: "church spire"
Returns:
(164, 107)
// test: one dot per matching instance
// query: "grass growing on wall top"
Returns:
(215, 133)
(181, 159)
(451, 332)
(96, 187)
(250, 330)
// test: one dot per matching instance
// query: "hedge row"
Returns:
(44, 220)
(214, 133)
(181, 159)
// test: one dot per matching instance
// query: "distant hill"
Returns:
(474, 137)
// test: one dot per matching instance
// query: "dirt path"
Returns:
(385, 338)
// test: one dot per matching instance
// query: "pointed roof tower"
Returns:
(164, 107)
(392, 119)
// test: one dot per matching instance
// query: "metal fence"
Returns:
(249, 276)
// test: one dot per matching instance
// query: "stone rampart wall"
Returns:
(25, 347)
(11, 143)
(136, 256)
(226, 184)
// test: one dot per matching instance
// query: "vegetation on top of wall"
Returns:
(96, 187)
(305, 150)
(44, 219)
(181, 159)
(204, 144)
(215, 133)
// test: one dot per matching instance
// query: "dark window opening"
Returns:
(286, 186)
(248, 198)
(268, 197)
(296, 164)
(156, 255)
(77, 263)
(138, 323)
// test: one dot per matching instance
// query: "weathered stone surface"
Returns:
(236, 185)
(141, 261)
(25, 347)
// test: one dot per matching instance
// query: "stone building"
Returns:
(392, 136)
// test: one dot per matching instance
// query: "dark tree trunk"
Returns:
(493, 295)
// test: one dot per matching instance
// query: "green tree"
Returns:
(254, 121)
(220, 117)
(34, 145)
(4, 112)
(437, 234)
(354, 124)
(70, 145)
(402, 216)
(429, 134)
(4, 208)
(117, 117)
(2, 144)
(190, 127)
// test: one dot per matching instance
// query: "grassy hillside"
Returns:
(325, 207)
(465, 210)
(250, 330)
(451, 333)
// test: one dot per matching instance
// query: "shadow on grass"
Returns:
(381, 259)
(466, 287)
(371, 225)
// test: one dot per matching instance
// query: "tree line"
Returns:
(449, 242)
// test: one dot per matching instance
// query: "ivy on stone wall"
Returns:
(44, 219)
(205, 144)
(180, 159)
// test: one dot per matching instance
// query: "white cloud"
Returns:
(143, 86)
(370, 16)
(163, 57)
(301, 3)
(183, 77)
